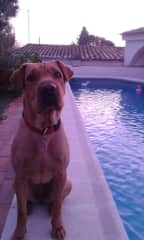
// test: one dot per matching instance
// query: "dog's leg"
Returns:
(21, 189)
(58, 231)
(66, 191)
(29, 207)
(67, 188)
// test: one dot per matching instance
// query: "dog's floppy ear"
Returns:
(66, 71)
(18, 77)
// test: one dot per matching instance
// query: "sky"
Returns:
(61, 21)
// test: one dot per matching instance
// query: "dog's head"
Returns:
(43, 85)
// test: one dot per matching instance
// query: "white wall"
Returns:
(127, 73)
(134, 42)
(132, 47)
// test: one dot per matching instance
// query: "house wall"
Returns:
(131, 49)
(103, 69)
(114, 72)
(138, 59)
(78, 63)
(133, 44)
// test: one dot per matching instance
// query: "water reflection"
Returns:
(114, 118)
(100, 106)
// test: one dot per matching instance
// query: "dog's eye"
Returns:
(31, 78)
(57, 74)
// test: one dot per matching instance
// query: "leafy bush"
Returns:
(9, 62)
(26, 57)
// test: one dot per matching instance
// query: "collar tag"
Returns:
(45, 131)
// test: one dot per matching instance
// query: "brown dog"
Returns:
(40, 153)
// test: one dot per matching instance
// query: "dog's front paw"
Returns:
(58, 233)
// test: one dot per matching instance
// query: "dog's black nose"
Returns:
(47, 89)
(47, 95)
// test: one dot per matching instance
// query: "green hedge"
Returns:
(10, 62)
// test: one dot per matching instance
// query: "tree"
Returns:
(86, 39)
(83, 37)
(8, 9)
(7, 39)
(99, 41)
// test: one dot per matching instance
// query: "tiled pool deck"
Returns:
(7, 130)
(89, 212)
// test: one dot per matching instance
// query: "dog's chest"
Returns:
(45, 161)
(43, 144)
(40, 158)
(42, 165)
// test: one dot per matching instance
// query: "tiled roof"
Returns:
(134, 31)
(74, 52)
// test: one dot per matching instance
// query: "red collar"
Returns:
(45, 131)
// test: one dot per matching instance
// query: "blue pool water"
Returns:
(113, 116)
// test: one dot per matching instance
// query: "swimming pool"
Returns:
(113, 115)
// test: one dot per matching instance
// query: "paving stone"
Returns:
(4, 161)
(2, 176)
(7, 130)
(5, 152)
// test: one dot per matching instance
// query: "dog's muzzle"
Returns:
(48, 96)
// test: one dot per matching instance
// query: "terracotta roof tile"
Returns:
(73, 52)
